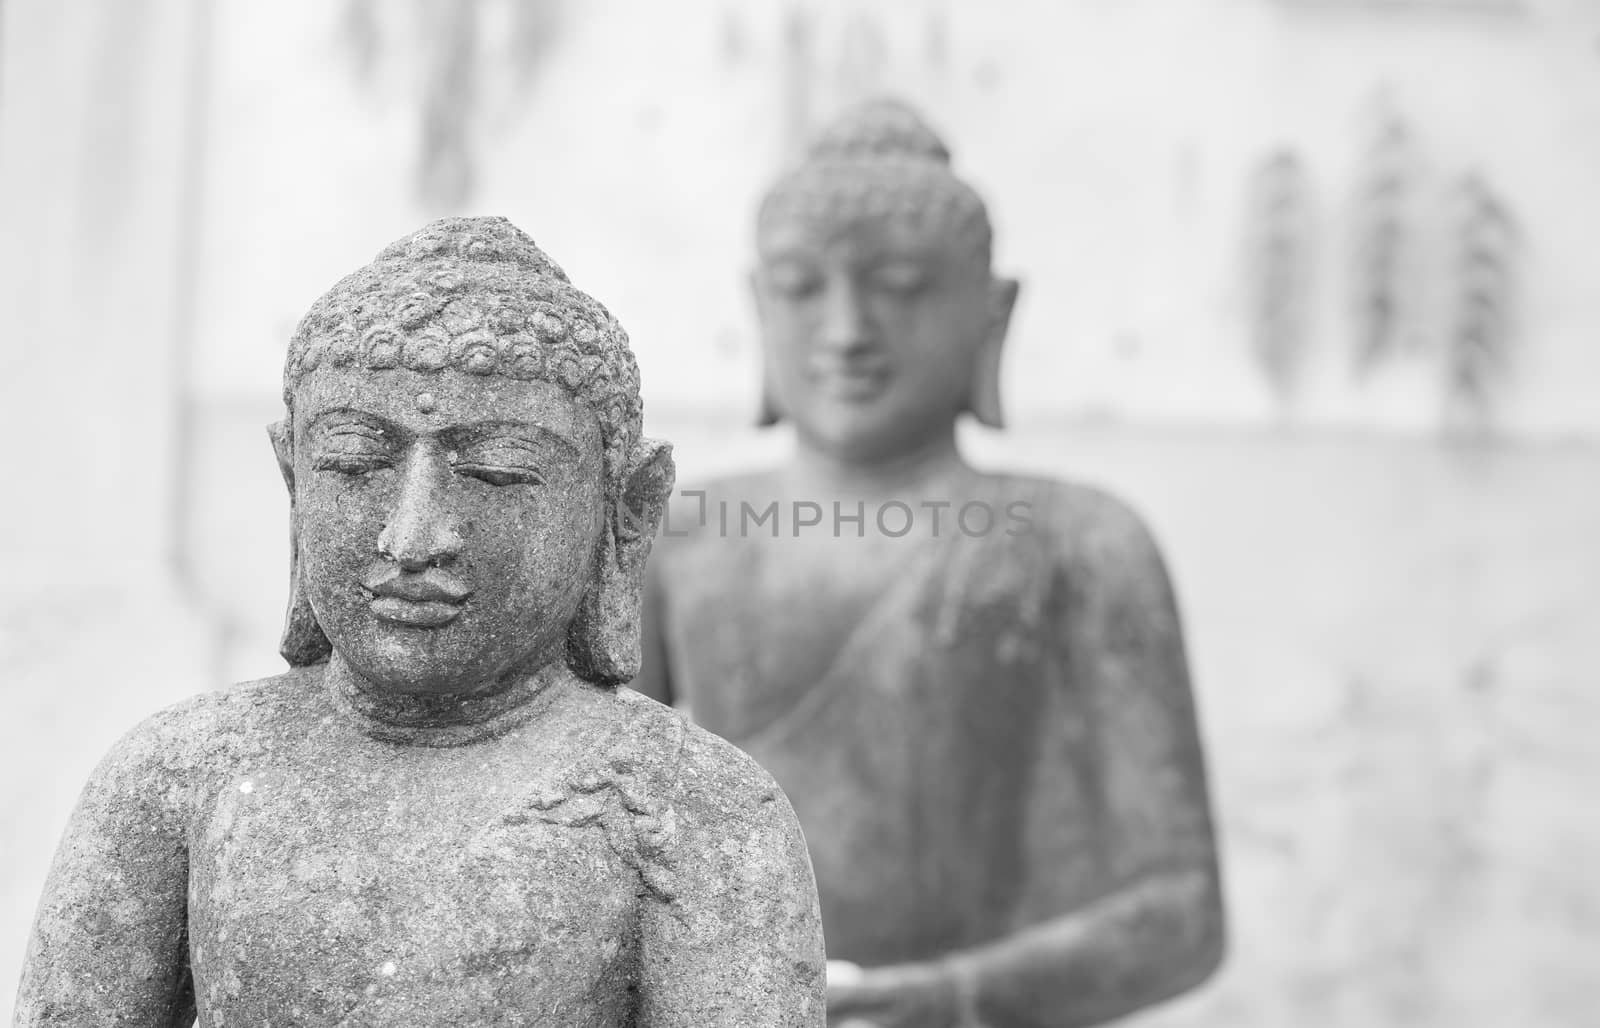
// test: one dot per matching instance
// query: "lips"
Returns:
(428, 599)
(850, 380)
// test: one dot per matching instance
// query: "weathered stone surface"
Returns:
(446, 813)
(972, 685)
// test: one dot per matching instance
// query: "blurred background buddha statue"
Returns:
(971, 685)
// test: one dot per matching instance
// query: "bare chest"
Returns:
(753, 623)
(416, 894)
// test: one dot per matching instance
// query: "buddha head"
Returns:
(470, 494)
(882, 319)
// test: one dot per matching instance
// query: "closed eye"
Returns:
(500, 475)
(350, 463)
(794, 280)
(899, 277)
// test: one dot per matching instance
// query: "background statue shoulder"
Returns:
(700, 510)
(1089, 528)
(704, 515)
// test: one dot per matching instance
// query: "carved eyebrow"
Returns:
(351, 414)
(347, 418)
(789, 255)
(485, 431)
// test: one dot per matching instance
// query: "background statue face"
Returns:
(447, 522)
(871, 329)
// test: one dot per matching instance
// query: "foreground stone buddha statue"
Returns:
(972, 686)
(446, 813)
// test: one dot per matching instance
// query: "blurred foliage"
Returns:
(1477, 357)
(1279, 238)
(1381, 238)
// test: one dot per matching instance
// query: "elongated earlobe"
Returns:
(603, 642)
(769, 414)
(984, 403)
(984, 399)
(282, 436)
(303, 641)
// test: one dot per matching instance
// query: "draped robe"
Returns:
(976, 739)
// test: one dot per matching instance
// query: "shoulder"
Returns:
(734, 858)
(207, 722)
(753, 486)
(700, 773)
(162, 755)
(698, 805)
(1086, 524)
(714, 794)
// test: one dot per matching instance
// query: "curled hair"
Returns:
(476, 296)
(880, 160)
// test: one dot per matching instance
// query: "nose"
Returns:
(420, 532)
(845, 326)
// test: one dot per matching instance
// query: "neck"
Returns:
(441, 719)
(934, 463)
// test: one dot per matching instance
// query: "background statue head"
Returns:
(469, 486)
(882, 319)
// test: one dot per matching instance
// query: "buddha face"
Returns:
(871, 329)
(447, 522)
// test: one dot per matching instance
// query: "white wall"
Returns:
(1115, 143)
(1391, 636)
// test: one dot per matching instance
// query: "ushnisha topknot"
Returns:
(879, 160)
(478, 296)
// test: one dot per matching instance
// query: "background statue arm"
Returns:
(109, 943)
(1158, 930)
(1147, 942)
(739, 943)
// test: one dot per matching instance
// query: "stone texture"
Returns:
(973, 686)
(446, 813)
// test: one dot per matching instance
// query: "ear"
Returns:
(303, 641)
(984, 400)
(645, 492)
(282, 438)
(603, 642)
(769, 413)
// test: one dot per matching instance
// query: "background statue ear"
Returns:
(984, 401)
(769, 413)
(283, 445)
(603, 642)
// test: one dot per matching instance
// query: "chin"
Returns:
(865, 432)
(861, 444)
(418, 661)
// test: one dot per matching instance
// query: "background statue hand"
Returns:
(896, 996)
